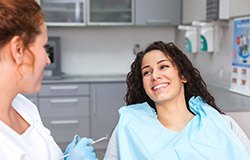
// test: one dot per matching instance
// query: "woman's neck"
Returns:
(8, 114)
(7, 94)
(174, 116)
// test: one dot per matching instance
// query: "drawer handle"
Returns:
(158, 21)
(73, 100)
(64, 122)
(55, 88)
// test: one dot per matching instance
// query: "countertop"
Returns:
(86, 78)
(229, 101)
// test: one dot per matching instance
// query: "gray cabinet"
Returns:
(96, 12)
(193, 10)
(158, 12)
(106, 99)
(110, 12)
(237, 8)
(64, 109)
(64, 12)
(89, 109)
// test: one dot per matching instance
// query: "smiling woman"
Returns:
(23, 37)
(170, 113)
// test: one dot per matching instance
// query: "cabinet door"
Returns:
(64, 129)
(64, 12)
(193, 10)
(70, 106)
(158, 12)
(106, 99)
(64, 89)
(239, 8)
(110, 12)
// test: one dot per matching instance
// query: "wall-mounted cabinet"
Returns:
(193, 10)
(239, 8)
(158, 12)
(110, 12)
(88, 12)
(64, 12)
(196, 10)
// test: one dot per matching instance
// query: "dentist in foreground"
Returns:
(23, 36)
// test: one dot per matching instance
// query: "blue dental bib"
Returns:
(206, 137)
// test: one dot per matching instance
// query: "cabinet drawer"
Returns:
(64, 89)
(63, 130)
(64, 106)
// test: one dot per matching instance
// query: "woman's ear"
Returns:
(184, 80)
(17, 49)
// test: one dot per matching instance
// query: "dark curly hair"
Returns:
(195, 85)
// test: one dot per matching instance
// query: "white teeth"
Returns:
(159, 86)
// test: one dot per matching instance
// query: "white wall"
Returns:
(215, 67)
(104, 50)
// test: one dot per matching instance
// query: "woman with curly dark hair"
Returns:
(170, 113)
(195, 87)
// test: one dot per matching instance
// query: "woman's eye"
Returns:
(145, 73)
(46, 47)
(164, 66)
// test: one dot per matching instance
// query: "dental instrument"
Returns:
(96, 141)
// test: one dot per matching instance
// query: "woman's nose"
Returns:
(156, 75)
(48, 61)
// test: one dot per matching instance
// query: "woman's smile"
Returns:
(160, 86)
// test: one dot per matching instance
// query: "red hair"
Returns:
(20, 18)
